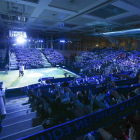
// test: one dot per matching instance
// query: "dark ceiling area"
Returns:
(81, 17)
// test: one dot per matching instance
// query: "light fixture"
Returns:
(131, 31)
(20, 40)
(18, 17)
(62, 41)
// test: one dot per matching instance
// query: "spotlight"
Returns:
(20, 40)
(62, 41)
(29, 40)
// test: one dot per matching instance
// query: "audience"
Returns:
(31, 58)
(98, 89)
(54, 57)
(106, 61)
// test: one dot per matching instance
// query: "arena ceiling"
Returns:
(70, 16)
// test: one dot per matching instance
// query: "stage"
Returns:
(31, 76)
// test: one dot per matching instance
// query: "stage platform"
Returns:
(31, 76)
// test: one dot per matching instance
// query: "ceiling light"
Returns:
(62, 41)
(20, 40)
(18, 18)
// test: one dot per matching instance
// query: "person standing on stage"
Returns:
(6, 69)
(21, 70)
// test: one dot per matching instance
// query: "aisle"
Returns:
(21, 119)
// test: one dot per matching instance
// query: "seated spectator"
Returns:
(2, 106)
(56, 108)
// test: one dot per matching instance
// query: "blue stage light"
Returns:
(62, 41)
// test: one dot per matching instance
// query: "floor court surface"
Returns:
(31, 76)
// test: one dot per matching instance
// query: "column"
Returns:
(84, 45)
(130, 43)
(52, 41)
(37, 44)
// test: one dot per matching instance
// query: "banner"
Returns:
(86, 124)
(127, 89)
(126, 82)
(61, 79)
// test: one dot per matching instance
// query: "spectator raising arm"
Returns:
(48, 81)
(99, 103)
(105, 134)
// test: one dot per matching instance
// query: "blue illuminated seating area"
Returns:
(69, 69)
(100, 90)
(53, 104)
(105, 61)
(26, 114)
(31, 58)
(54, 57)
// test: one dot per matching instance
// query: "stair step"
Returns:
(19, 108)
(17, 127)
(23, 133)
(19, 118)
(19, 113)
(9, 101)
(14, 106)
(20, 102)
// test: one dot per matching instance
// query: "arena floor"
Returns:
(31, 76)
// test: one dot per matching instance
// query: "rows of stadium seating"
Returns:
(25, 117)
(31, 58)
(54, 57)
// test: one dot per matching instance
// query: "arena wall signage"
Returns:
(86, 124)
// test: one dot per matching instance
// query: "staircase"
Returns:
(21, 120)
(13, 62)
(46, 63)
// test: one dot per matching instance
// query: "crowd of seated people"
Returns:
(104, 61)
(31, 58)
(54, 57)
(64, 101)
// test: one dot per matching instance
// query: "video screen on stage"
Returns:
(17, 33)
